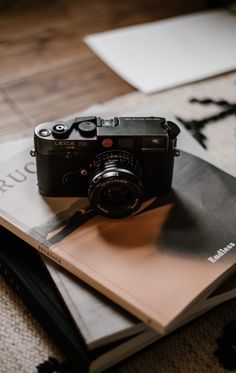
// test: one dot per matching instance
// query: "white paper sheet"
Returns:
(164, 54)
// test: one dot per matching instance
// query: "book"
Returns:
(174, 246)
(26, 273)
(39, 293)
(84, 303)
(24, 270)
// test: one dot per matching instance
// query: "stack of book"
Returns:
(109, 288)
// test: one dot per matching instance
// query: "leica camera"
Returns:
(117, 163)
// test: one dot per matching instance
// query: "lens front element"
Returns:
(117, 194)
(115, 189)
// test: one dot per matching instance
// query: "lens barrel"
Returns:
(115, 189)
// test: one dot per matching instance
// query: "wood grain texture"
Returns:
(65, 90)
(11, 119)
(47, 71)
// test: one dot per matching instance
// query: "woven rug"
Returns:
(207, 344)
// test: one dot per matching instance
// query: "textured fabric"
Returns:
(24, 344)
(190, 349)
(208, 343)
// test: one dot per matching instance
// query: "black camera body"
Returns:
(117, 163)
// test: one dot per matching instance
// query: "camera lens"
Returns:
(116, 195)
(115, 189)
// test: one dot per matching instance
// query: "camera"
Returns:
(117, 163)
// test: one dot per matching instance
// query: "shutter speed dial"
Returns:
(87, 129)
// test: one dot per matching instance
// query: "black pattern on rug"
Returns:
(196, 126)
(226, 351)
(52, 365)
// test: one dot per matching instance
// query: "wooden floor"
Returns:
(47, 71)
